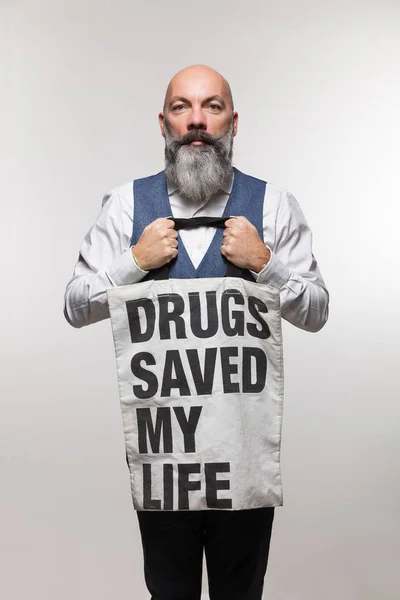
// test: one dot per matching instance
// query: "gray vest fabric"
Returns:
(151, 201)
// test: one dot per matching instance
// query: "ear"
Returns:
(161, 123)
(235, 122)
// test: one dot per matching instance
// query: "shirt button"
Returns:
(199, 246)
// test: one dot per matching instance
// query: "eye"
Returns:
(214, 107)
(178, 107)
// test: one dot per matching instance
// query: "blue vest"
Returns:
(151, 202)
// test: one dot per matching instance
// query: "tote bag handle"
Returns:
(231, 269)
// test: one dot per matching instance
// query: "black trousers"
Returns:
(236, 545)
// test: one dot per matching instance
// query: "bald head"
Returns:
(198, 98)
(199, 77)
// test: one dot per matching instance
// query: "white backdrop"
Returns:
(316, 84)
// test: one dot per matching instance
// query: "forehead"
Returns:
(197, 84)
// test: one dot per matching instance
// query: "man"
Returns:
(266, 235)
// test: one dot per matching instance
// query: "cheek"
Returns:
(219, 126)
(177, 128)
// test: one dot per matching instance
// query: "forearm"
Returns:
(304, 303)
(85, 299)
(304, 297)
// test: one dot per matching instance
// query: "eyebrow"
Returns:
(206, 101)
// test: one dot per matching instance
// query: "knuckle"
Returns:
(172, 254)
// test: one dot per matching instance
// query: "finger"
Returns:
(226, 241)
(230, 233)
(235, 223)
(170, 224)
(173, 254)
(239, 223)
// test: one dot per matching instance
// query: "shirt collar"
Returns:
(226, 187)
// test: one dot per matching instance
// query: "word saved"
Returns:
(253, 374)
(184, 485)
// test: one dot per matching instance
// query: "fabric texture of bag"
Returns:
(200, 375)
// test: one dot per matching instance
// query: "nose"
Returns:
(197, 119)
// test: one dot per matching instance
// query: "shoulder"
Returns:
(246, 176)
(121, 196)
(280, 206)
(125, 190)
(150, 178)
(283, 207)
(272, 191)
(279, 196)
(276, 198)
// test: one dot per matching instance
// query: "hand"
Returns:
(157, 245)
(242, 245)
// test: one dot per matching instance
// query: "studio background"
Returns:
(316, 85)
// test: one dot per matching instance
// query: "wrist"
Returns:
(261, 261)
(137, 259)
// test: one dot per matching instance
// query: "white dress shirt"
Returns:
(106, 261)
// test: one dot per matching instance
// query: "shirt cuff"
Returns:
(124, 270)
(275, 273)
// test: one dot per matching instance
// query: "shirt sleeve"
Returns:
(293, 270)
(106, 243)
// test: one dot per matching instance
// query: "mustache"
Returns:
(197, 135)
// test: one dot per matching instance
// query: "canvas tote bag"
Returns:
(200, 376)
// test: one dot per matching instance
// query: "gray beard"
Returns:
(198, 171)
